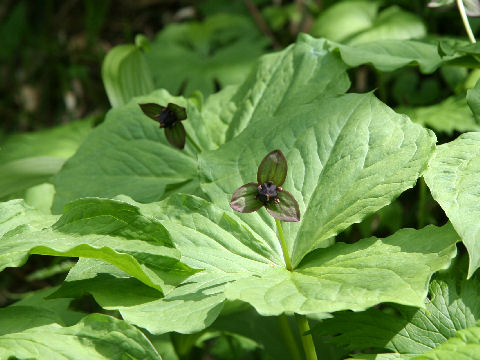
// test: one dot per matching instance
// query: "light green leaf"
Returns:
(409, 332)
(101, 229)
(25, 160)
(329, 279)
(348, 157)
(465, 346)
(355, 22)
(452, 114)
(128, 154)
(453, 180)
(199, 55)
(95, 337)
(125, 74)
(334, 278)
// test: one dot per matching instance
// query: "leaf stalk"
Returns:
(283, 243)
(307, 340)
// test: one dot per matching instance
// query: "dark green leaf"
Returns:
(244, 198)
(285, 210)
(176, 135)
(152, 110)
(273, 168)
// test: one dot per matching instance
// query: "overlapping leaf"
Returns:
(452, 306)
(453, 179)
(355, 22)
(96, 337)
(101, 229)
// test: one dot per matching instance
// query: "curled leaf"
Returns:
(273, 168)
(245, 198)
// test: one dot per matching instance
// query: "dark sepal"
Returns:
(285, 210)
(152, 110)
(273, 168)
(245, 200)
(179, 111)
(176, 135)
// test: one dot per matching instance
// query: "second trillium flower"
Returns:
(170, 118)
(267, 191)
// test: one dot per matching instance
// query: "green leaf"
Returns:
(355, 22)
(26, 161)
(125, 74)
(241, 263)
(451, 306)
(465, 346)
(452, 114)
(353, 276)
(129, 154)
(101, 229)
(95, 337)
(198, 55)
(452, 177)
(273, 168)
(348, 157)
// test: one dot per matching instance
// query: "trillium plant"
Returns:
(357, 239)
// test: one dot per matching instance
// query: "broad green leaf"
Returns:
(108, 230)
(465, 346)
(348, 157)
(129, 154)
(452, 114)
(95, 337)
(452, 177)
(355, 22)
(202, 55)
(451, 306)
(240, 264)
(26, 160)
(125, 74)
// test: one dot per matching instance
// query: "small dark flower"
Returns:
(267, 191)
(170, 118)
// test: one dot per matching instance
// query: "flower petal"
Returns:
(178, 110)
(176, 135)
(152, 110)
(273, 168)
(287, 209)
(244, 199)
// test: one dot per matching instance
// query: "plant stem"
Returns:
(288, 337)
(466, 24)
(257, 16)
(307, 340)
(421, 203)
(283, 243)
(302, 322)
(190, 140)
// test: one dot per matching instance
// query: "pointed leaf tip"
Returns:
(179, 111)
(151, 110)
(176, 135)
(273, 168)
(286, 209)
(244, 200)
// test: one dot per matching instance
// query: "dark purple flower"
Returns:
(170, 118)
(267, 191)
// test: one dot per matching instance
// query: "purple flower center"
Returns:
(267, 192)
(167, 118)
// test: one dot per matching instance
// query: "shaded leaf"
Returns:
(273, 168)
(285, 210)
(176, 135)
(244, 198)
(152, 110)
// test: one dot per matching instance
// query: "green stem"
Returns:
(307, 340)
(466, 24)
(421, 203)
(288, 337)
(190, 140)
(302, 322)
(283, 243)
